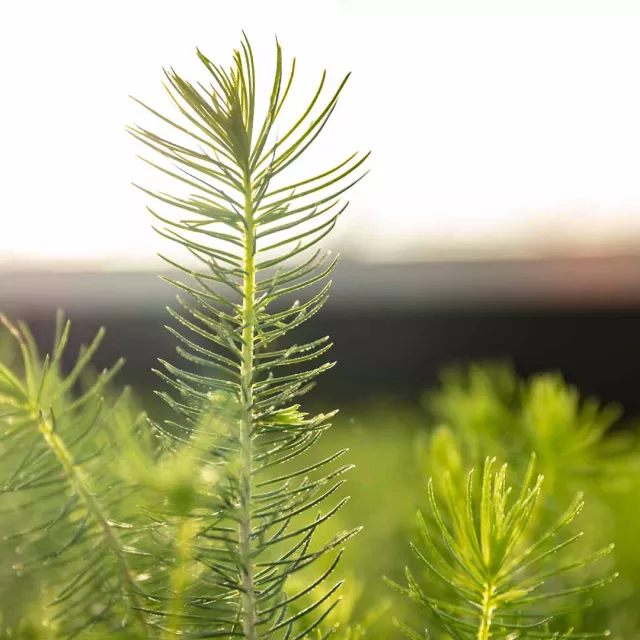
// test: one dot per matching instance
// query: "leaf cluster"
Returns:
(491, 570)
(57, 466)
(485, 410)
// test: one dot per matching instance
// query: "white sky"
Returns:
(495, 126)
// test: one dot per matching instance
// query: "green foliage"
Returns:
(246, 226)
(484, 411)
(489, 564)
(202, 527)
(56, 466)
(210, 523)
(490, 412)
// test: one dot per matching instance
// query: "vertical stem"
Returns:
(484, 632)
(82, 485)
(246, 423)
(179, 578)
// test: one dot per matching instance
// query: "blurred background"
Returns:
(501, 218)
(500, 221)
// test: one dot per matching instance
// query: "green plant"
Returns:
(582, 446)
(489, 564)
(256, 224)
(210, 552)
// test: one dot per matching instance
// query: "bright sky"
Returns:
(506, 126)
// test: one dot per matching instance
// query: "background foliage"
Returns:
(476, 411)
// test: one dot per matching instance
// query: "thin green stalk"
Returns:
(488, 607)
(82, 485)
(180, 577)
(249, 616)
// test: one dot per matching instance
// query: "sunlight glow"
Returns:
(494, 132)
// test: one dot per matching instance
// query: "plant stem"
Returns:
(180, 578)
(488, 607)
(249, 615)
(81, 484)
